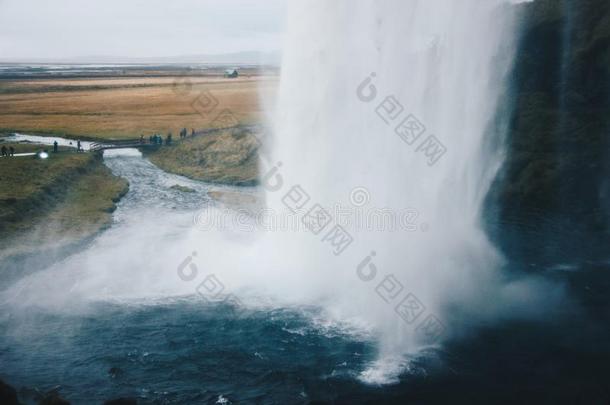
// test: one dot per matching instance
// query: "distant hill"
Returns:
(236, 58)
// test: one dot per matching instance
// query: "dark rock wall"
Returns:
(553, 194)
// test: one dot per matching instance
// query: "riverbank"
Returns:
(225, 157)
(49, 204)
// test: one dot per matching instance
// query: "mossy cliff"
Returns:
(555, 179)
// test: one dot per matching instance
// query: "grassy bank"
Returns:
(226, 157)
(51, 202)
(119, 108)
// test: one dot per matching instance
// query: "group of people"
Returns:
(79, 147)
(10, 151)
(183, 133)
(157, 139)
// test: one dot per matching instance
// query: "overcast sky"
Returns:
(59, 29)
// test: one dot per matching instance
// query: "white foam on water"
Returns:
(384, 371)
(109, 153)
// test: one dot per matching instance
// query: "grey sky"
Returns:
(31, 29)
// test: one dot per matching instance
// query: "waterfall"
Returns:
(385, 110)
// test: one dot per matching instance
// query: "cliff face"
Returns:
(554, 186)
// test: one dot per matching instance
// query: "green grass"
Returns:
(67, 196)
(23, 177)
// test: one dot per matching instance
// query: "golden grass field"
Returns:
(127, 107)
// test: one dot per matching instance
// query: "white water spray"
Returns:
(396, 98)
